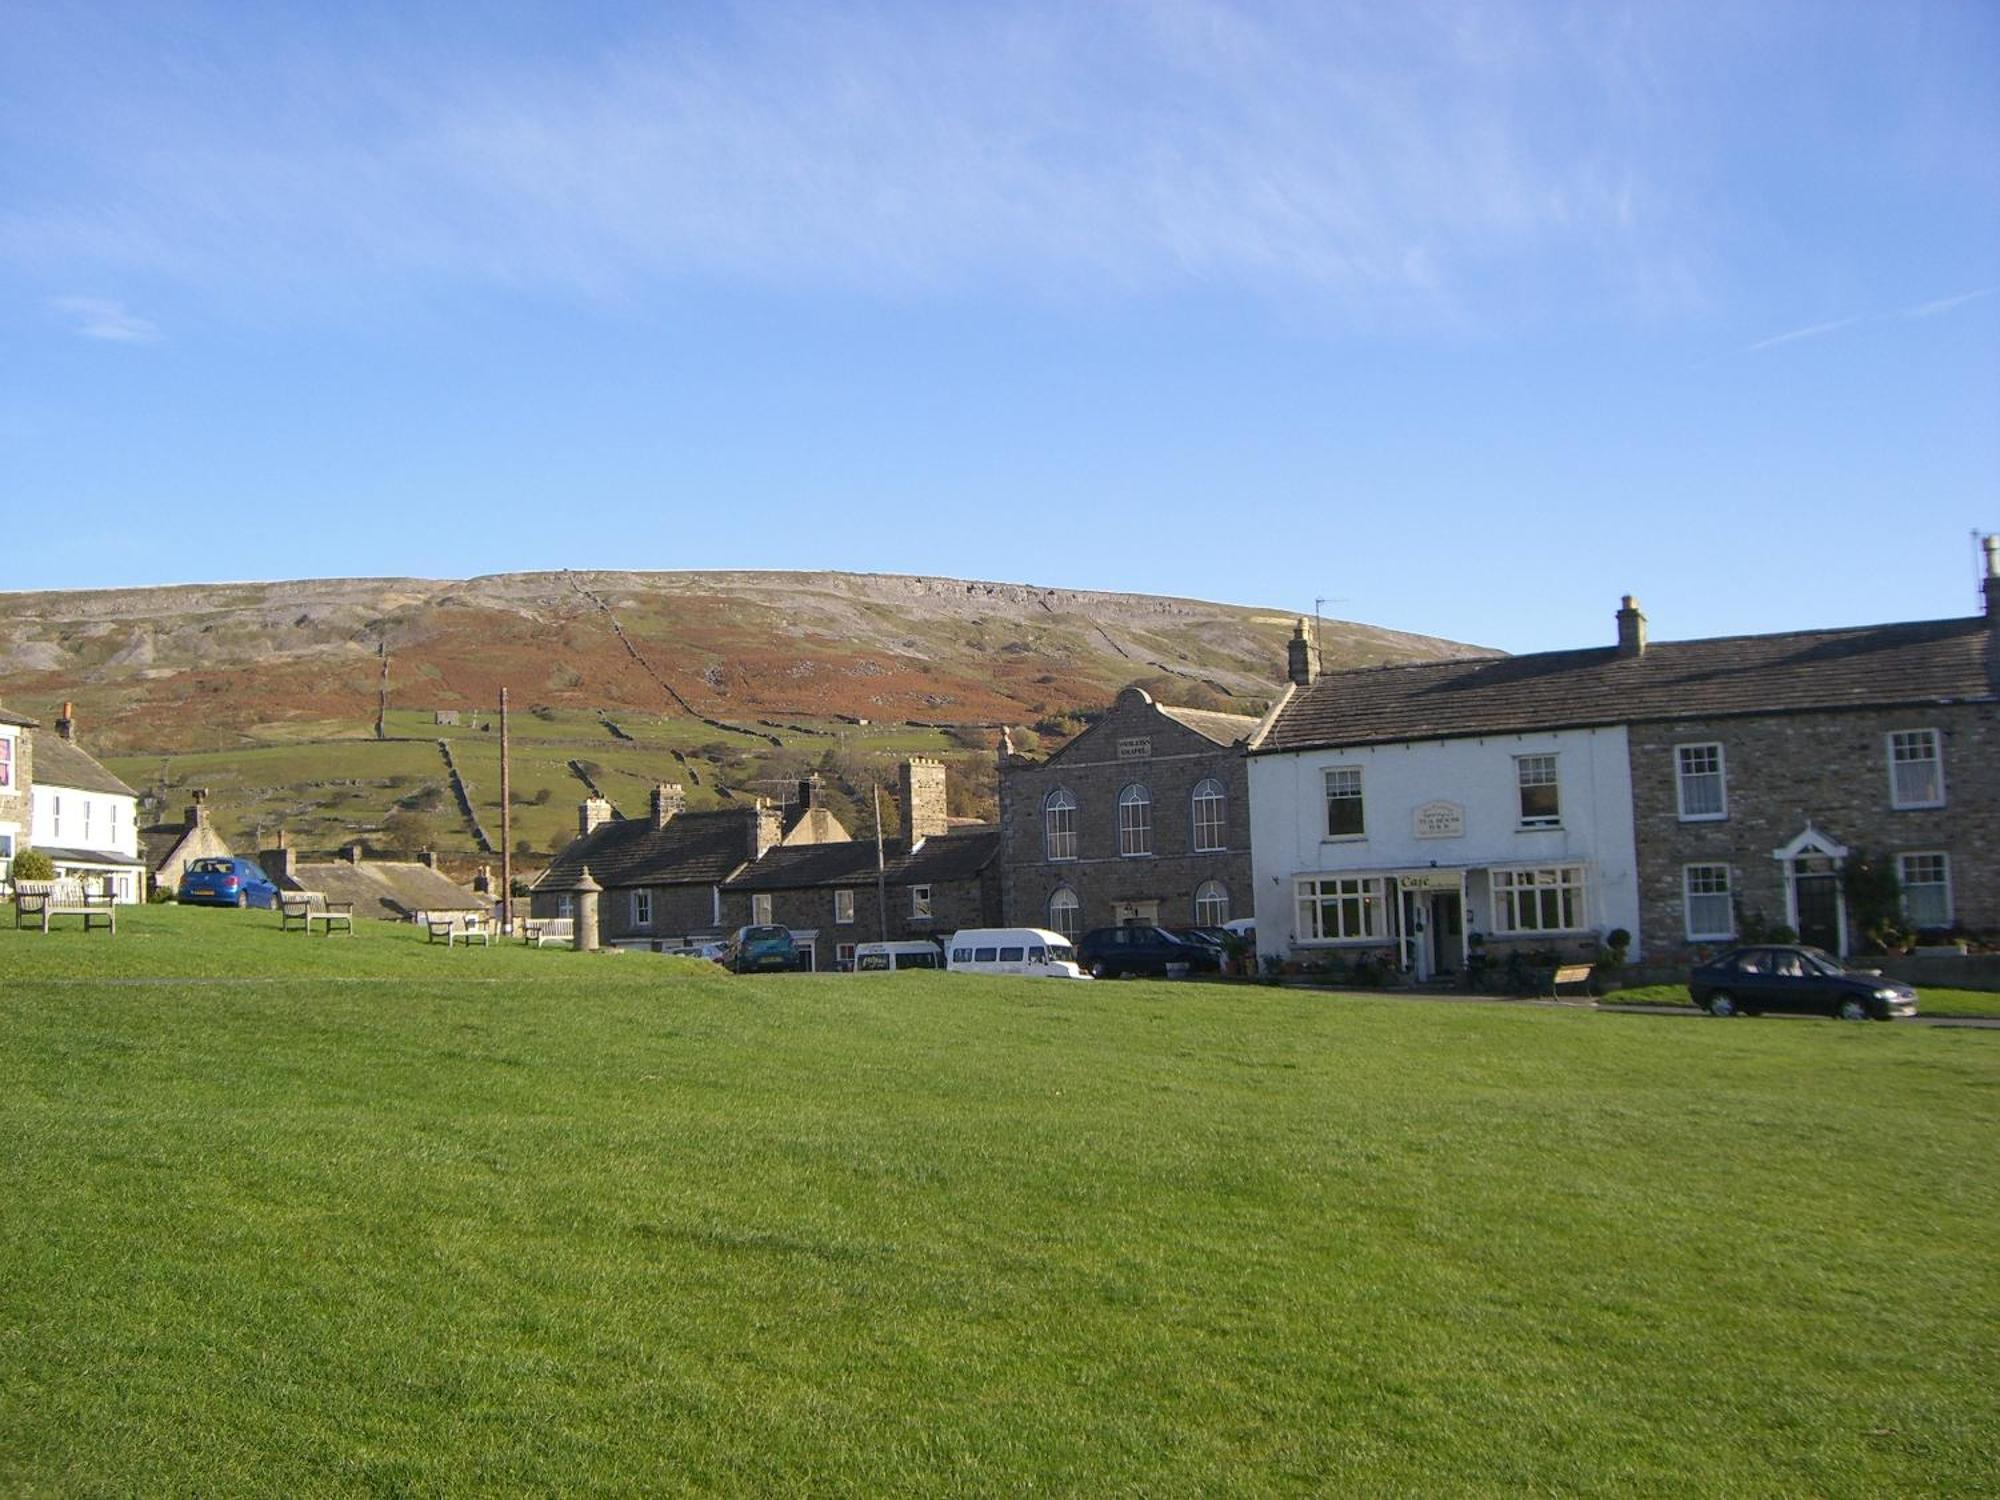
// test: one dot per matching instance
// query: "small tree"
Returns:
(32, 864)
(408, 831)
(1875, 900)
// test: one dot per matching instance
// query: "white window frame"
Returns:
(642, 907)
(566, 905)
(1214, 895)
(1208, 809)
(1909, 738)
(55, 821)
(843, 954)
(1569, 881)
(1704, 875)
(1135, 821)
(6, 762)
(843, 908)
(1362, 897)
(1059, 909)
(1522, 784)
(920, 903)
(1682, 777)
(760, 909)
(1942, 884)
(1059, 825)
(1358, 796)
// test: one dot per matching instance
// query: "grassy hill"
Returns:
(371, 1217)
(269, 694)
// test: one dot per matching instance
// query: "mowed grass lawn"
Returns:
(312, 1216)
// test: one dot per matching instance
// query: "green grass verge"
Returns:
(1931, 1000)
(328, 1216)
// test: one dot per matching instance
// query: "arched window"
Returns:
(1135, 820)
(1211, 904)
(1065, 912)
(1211, 816)
(1059, 824)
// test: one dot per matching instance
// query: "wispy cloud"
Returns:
(103, 318)
(1946, 304)
(1810, 331)
(1413, 155)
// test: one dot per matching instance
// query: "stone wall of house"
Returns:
(954, 904)
(1832, 770)
(15, 806)
(1133, 743)
(678, 910)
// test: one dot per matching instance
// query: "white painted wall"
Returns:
(100, 821)
(1288, 820)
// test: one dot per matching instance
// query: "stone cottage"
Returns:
(937, 877)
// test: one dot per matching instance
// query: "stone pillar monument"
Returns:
(587, 891)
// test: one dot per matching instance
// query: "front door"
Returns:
(1818, 899)
(1447, 932)
(1414, 941)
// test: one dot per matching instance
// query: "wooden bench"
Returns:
(303, 908)
(540, 932)
(1569, 974)
(467, 927)
(46, 900)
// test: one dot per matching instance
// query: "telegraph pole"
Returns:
(881, 868)
(506, 828)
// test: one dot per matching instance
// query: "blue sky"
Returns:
(1469, 318)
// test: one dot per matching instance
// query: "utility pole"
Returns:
(506, 828)
(382, 692)
(881, 868)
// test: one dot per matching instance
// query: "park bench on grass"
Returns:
(49, 899)
(543, 931)
(467, 927)
(301, 909)
(1569, 974)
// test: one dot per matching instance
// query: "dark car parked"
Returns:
(764, 949)
(1792, 978)
(1109, 952)
(226, 882)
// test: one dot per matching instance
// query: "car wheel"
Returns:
(1100, 970)
(242, 899)
(1853, 1010)
(1722, 1003)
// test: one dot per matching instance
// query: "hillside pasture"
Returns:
(328, 1216)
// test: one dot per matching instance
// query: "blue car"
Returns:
(226, 882)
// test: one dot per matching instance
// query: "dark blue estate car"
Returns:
(226, 882)
(1792, 978)
(1109, 952)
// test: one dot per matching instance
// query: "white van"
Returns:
(1033, 951)
(891, 958)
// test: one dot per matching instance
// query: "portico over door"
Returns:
(1814, 906)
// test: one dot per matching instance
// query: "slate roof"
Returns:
(19, 721)
(937, 860)
(695, 848)
(88, 856)
(1224, 729)
(384, 887)
(1869, 666)
(60, 763)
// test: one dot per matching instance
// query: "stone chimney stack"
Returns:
(428, 859)
(921, 783)
(197, 813)
(591, 813)
(669, 798)
(1992, 581)
(352, 853)
(763, 826)
(1298, 656)
(66, 725)
(1631, 629)
(280, 862)
(809, 792)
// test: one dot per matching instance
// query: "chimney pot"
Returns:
(1992, 583)
(66, 725)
